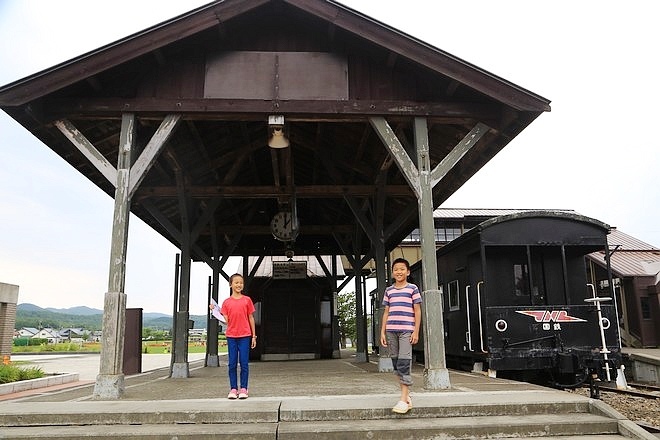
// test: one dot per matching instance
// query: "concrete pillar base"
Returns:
(180, 370)
(385, 364)
(212, 360)
(336, 354)
(361, 356)
(436, 379)
(109, 386)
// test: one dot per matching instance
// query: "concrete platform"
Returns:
(312, 378)
(321, 399)
(645, 365)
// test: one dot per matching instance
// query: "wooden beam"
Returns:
(267, 191)
(457, 153)
(174, 232)
(150, 153)
(362, 220)
(88, 150)
(265, 229)
(392, 143)
(242, 108)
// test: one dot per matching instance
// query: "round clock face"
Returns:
(282, 226)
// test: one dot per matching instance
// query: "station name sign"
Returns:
(289, 270)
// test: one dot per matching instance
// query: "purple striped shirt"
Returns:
(401, 316)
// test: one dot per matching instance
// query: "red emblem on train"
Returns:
(550, 316)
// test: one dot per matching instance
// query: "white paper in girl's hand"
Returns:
(216, 312)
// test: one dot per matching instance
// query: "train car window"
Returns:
(454, 297)
(538, 280)
(521, 280)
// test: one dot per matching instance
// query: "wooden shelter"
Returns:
(174, 123)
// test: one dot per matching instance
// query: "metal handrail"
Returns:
(481, 327)
(468, 333)
(604, 351)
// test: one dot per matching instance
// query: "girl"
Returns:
(400, 328)
(237, 311)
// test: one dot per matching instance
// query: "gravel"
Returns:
(636, 409)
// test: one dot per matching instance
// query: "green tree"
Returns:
(346, 313)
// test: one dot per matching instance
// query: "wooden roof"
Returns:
(224, 68)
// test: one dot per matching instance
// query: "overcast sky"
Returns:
(596, 152)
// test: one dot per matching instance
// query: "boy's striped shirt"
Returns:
(401, 317)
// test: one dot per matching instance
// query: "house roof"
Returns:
(215, 81)
(30, 330)
(627, 242)
(631, 258)
(486, 213)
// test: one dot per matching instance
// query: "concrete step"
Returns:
(534, 426)
(437, 405)
(442, 415)
(294, 409)
(454, 427)
(153, 412)
(252, 431)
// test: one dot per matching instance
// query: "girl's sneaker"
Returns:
(243, 394)
(232, 394)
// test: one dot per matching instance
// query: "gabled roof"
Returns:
(213, 14)
(216, 162)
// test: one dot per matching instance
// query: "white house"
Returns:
(27, 332)
(50, 334)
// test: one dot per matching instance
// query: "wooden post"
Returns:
(181, 368)
(436, 375)
(212, 359)
(110, 381)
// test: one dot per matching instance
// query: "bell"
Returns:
(277, 138)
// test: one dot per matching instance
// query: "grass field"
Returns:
(148, 347)
(159, 347)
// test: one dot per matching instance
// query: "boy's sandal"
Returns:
(401, 407)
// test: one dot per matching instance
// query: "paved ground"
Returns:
(337, 377)
(324, 377)
(87, 364)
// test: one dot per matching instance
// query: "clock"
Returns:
(282, 226)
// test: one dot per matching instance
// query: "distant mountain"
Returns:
(27, 307)
(30, 315)
(148, 315)
(80, 310)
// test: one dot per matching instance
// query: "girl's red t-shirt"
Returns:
(237, 312)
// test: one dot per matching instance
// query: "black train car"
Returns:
(516, 299)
